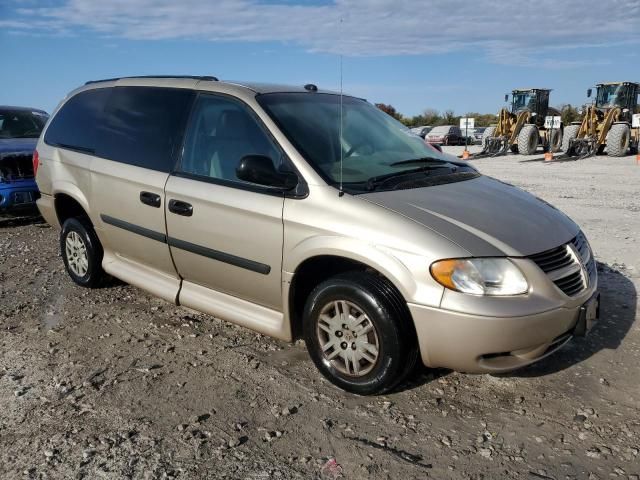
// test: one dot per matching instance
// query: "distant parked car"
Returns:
(19, 131)
(477, 134)
(445, 135)
(422, 131)
(469, 136)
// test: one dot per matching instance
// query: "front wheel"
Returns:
(528, 139)
(618, 140)
(81, 252)
(570, 133)
(488, 133)
(359, 333)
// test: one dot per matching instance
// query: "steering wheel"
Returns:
(356, 147)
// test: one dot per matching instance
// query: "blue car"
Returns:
(19, 131)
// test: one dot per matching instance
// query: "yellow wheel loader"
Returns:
(521, 128)
(607, 123)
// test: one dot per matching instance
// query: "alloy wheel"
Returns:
(348, 338)
(76, 252)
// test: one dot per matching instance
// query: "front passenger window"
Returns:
(221, 133)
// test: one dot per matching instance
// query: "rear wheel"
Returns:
(555, 140)
(570, 133)
(359, 334)
(528, 140)
(81, 252)
(618, 140)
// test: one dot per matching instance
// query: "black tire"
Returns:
(555, 140)
(570, 133)
(618, 140)
(392, 324)
(94, 275)
(488, 132)
(528, 140)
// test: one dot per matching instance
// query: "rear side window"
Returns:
(74, 125)
(143, 126)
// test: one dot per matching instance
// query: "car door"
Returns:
(136, 147)
(225, 235)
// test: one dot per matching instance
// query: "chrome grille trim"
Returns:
(571, 267)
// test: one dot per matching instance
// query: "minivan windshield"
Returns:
(19, 123)
(372, 144)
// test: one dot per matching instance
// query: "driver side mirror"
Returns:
(506, 97)
(259, 169)
(589, 93)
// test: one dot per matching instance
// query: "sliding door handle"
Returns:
(151, 199)
(180, 208)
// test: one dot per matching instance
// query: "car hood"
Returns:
(484, 216)
(13, 146)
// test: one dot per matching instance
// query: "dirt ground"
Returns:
(112, 383)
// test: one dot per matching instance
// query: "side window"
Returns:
(74, 126)
(143, 126)
(220, 133)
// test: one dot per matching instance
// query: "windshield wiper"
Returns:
(418, 160)
(375, 182)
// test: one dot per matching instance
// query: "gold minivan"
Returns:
(302, 213)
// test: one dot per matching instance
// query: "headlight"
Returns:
(480, 276)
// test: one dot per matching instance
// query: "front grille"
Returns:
(564, 265)
(553, 259)
(15, 167)
(571, 284)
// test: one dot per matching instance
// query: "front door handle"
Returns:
(151, 199)
(180, 208)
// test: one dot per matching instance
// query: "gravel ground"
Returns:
(112, 383)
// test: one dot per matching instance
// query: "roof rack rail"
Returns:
(193, 77)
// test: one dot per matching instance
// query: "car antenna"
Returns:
(340, 190)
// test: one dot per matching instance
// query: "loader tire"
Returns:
(528, 140)
(570, 133)
(488, 132)
(618, 140)
(555, 140)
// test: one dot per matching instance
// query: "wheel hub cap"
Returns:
(348, 338)
(76, 253)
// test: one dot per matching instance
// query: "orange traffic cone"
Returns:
(465, 154)
(548, 156)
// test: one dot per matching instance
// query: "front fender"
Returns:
(403, 269)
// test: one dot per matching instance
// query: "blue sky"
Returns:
(442, 54)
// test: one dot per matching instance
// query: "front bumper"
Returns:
(483, 344)
(18, 195)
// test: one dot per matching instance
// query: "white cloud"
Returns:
(514, 32)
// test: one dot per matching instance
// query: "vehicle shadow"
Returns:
(420, 376)
(555, 160)
(618, 304)
(11, 221)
